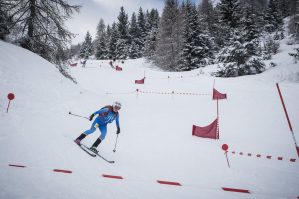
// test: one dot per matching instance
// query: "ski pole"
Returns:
(115, 144)
(78, 115)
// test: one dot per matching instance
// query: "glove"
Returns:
(118, 130)
(90, 118)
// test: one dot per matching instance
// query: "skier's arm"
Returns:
(101, 111)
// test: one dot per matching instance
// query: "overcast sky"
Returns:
(93, 10)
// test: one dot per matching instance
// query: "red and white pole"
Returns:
(288, 119)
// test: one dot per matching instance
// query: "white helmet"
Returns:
(117, 105)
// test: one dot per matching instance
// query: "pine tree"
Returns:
(207, 18)
(285, 8)
(112, 41)
(230, 12)
(250, 31)
(86, 48)
(169, 41)
(293, 25)
(135, 43)
(40, 25)
(100, 42)
(142, 31)
(151, 39)
(122, 44)
(273, 17)
(240, 58)
(196, 46)
(228, 21)
(240, 54)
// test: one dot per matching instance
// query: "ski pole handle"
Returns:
(78, 115)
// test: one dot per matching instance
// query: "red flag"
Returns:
(118, 68)
(141, 81)
(217, 95)
(209, 131)
(73, 65)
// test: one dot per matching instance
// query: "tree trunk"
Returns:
(31, 18)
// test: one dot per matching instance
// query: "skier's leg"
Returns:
(103, 130)
(81, 137)
(90, 131)
(93, 127)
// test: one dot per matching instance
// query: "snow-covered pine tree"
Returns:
(285, 8)
(240, 54)
(239, 59)
(100, 41)
(273, 17)
(141, 23)
(135, 43)
(108, 37)
(151, 38)
(229, 12)
(40, 25)
(169, 41)
(86, 48)
(295, 55)
(112, 41)
(206, 16)
(122, 44)
(293, 25)
(250, 30)
(196, 47)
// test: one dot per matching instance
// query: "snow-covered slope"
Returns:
(155, 141)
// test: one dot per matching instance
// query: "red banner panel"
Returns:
(209, 131)
(217, 95)
(141, 81)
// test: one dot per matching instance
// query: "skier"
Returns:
(106, 115)
(111, 64)
(83, 63)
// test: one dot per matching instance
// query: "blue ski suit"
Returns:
(105, 115)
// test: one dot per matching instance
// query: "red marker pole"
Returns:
(10, 97)
(225, 147)
(288, 119)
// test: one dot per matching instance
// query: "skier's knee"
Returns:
(102, 137)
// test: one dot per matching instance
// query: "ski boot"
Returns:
(78, 140)
(93, 148)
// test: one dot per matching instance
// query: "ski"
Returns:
(97, 154)
(87, 151)
(109, 161)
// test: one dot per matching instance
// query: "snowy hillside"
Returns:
(156, 141)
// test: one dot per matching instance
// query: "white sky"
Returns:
(93, 10)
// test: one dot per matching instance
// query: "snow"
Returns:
(155, 141)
